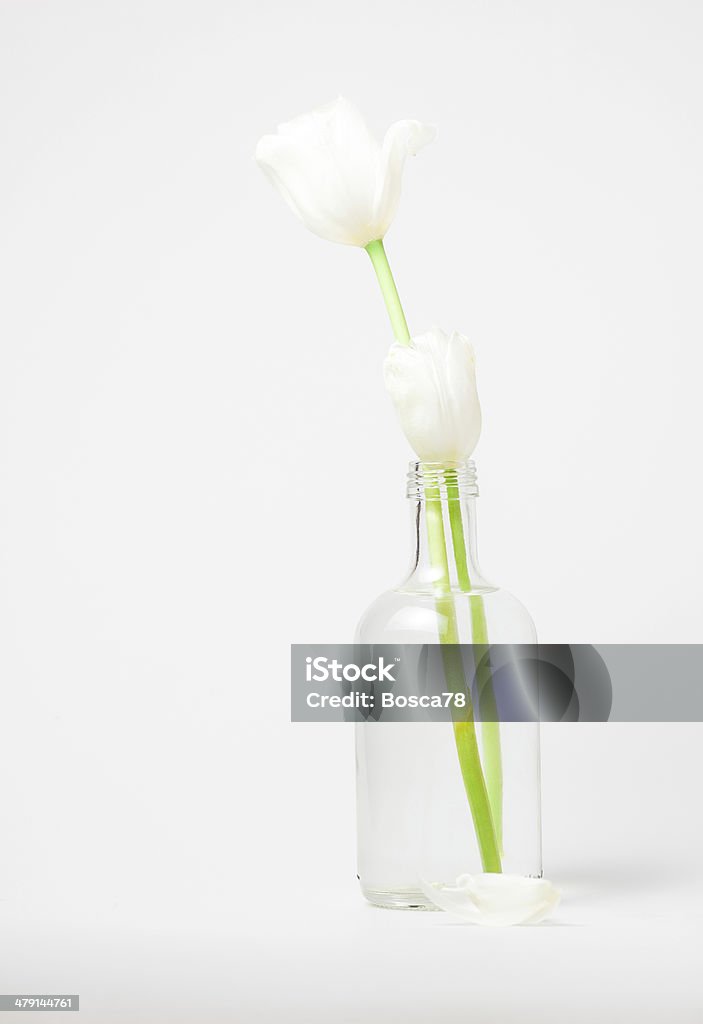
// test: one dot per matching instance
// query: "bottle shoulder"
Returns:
(405, 616)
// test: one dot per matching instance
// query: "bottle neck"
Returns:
(445, 556)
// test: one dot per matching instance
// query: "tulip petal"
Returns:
(495, 900)
(403, 139)
(309, 182)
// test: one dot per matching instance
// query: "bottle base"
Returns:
(410, 899)
(398, 899)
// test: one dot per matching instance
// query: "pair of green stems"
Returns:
(483, 783)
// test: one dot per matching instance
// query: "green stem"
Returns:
(490, 726)
(465, 729)
(389, 290)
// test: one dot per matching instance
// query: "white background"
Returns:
(199, 466)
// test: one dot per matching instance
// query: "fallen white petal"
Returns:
(495, 899)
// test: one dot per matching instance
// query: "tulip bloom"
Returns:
(432, 382)
(335, 176)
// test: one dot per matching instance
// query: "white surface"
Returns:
(243, 917)
(195, 448)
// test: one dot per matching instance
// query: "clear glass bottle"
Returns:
(415, 818)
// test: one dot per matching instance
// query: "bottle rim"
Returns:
(437, 481)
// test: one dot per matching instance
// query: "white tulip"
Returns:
(432, 382)
(335, 176)
(496, 899)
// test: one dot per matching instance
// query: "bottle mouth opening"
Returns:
(433, 481)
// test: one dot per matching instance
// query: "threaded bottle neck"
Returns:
(443, 496)
(435, 481)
